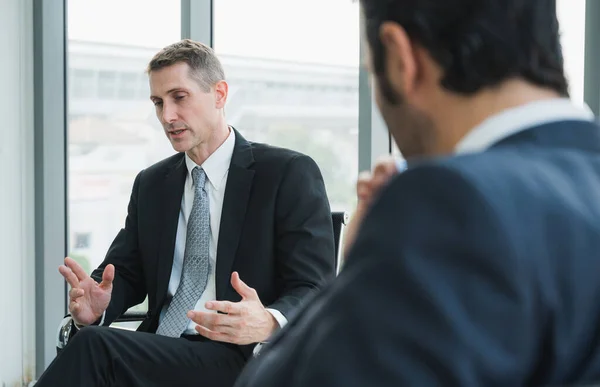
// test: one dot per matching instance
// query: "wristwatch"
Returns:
(66, 330)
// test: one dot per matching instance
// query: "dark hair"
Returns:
(477, 43)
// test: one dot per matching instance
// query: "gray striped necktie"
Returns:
(196, 264)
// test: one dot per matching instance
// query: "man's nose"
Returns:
(169, 113)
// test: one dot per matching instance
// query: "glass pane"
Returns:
(571, 16)
(112, 130)
(294, 83)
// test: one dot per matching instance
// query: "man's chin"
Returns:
(180, 146)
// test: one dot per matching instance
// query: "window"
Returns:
(83, 83)
(82, 240)
(107, 84)
(571, 16)
(296, 84)
(112, 130)
(129, 84)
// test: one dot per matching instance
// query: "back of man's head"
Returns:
(477, 43)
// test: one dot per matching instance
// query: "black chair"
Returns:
(339, 221)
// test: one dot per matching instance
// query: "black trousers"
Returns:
(102, 356)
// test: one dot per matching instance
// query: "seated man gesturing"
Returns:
(224, 225)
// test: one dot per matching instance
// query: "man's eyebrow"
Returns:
(169, 92)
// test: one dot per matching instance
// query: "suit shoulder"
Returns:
(473, 182)
(271, 156)
(513, 181)
(160, 167)
(508, 170)
(266, 152)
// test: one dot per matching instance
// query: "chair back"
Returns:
(339, 222)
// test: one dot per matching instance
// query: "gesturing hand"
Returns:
(367, 188)
(87, 299)
(246, 321)
(369, 184)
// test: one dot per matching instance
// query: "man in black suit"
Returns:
(478, 265)
(226, 238)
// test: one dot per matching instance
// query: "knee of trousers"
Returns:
(91, 336)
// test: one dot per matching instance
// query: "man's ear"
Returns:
(221, 90)
(401, 65)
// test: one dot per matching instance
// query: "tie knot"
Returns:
(199, 177)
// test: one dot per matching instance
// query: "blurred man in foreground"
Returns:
(478, 265)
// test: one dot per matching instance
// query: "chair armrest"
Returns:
(65, 331)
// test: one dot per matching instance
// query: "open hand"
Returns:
(87, 298)
(245, 322)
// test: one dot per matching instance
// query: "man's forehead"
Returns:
(167, 83)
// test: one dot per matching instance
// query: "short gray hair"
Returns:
(205, 67)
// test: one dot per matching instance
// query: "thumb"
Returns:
(243, 290)
(107, 277)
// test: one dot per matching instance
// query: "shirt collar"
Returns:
(514, 120)
(217, 164)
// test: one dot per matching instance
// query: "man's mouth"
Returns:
(176, 132)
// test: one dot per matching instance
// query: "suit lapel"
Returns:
(172, 192)
(235, 202)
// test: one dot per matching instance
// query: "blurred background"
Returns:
(78, 124)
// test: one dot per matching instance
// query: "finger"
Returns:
(382, 174)
(74, 307)
(76, 268)
(385, 160)
(76, 293)
(243, 290)
(385, 169)
(364, 176)
(363, 190)
(211, 320)
(215, 336)
(108, 276)
(224, 307)
(224, 330)
(69, 276)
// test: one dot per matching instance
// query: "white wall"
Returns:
(17, 270)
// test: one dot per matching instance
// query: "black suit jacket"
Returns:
(476, 270)
(276, 232)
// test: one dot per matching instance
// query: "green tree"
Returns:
(82, 260)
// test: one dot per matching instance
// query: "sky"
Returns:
(312, 31)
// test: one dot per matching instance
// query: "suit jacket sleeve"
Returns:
(128, 286)
(431, 295)
(304, 235)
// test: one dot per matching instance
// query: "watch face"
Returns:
(64, 336)
(64, 332)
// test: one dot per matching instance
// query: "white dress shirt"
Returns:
(517, 119)
(512, 121)
(216, 168)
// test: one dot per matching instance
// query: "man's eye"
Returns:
(157, 103)
(179, 97)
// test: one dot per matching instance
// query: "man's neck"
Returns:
(462, 114)
(203, 151)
